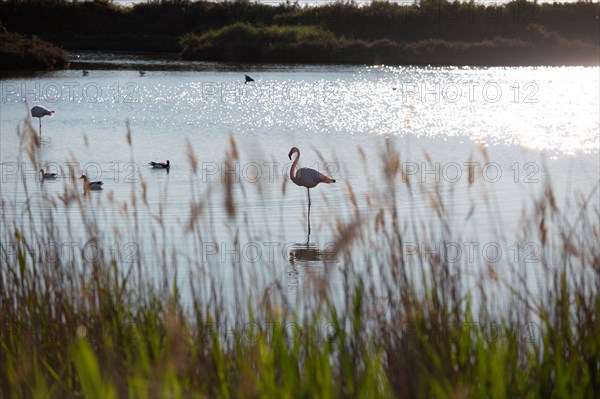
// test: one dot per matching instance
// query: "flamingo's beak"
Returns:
(290, 154)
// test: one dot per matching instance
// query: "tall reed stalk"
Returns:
(400, 326)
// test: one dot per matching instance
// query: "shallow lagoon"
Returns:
(465, 135)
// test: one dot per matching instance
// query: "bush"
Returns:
(309, 44)
(19, 52)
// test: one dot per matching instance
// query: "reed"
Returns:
(399, 326)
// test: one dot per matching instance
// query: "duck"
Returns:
(160, 165)
(91, 185)
(48, 175)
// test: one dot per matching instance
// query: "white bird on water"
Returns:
(306, 177)
(39, 112)
(91, 185)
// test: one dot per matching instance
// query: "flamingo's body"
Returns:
(91, 185)
(306, 177)
(48, 175)
(160, 165)
(39, 112)
(309, 178)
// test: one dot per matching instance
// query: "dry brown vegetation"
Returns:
(401, 328)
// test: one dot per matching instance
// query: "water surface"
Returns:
(521, 128)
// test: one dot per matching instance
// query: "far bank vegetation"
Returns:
(433, 32)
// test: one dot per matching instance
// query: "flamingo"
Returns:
(160, 165)
(48, 175)
(90, 185)
(39, 112)
(248, 79)
(306, 177)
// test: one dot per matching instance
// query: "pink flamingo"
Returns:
(306, 177)
(39, 112)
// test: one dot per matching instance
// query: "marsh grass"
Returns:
(400, 327)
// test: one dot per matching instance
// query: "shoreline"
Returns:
(433, 32)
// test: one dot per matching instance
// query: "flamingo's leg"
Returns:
(308, 191)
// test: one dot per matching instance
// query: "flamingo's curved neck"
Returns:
(294, 165)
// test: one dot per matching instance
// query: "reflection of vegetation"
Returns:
(391, 324)
(18, 52)
(433, 31)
